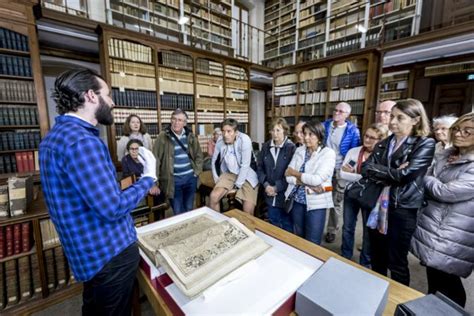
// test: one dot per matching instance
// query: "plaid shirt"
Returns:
(87, 207)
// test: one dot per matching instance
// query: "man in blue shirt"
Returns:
(87, 207)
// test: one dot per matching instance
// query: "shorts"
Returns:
(245, 193)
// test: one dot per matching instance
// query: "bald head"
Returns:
(382, 112)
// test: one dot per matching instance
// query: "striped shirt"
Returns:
(182, 165)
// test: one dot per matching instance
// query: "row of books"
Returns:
(287, 89)
(175, 74)
(58, 274)
(130, 67)
(49, 235)
(27, 161)
(12, 40)
(236, 94)
(174, 101)
(210, 80)
(131, 51)
(147, 116)
(211, 91)
(396, 76)
(336, 47)
(236, 84)
(315, 97)
(15, 196)
(15, 66)
(124, 81)
(19, 139)
(210, 117)
(211, 104)
(348, 94)
(175, 86)
(135, 98)
(175, 60)
(152, 129)
(313, 110)
(21, 282)
(286, 79)
(459, 67)
(314, 85)
(349, 80)
(382, 8)
(17, 90)
(236, 72)
(237, 105)
(393, 95)
(15, 239)
(398, 85)
(209, 67)
(285, 111)
(240, 117)
(18, 115)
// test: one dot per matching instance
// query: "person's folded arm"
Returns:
(323, 173)
(93, 176)
(458, 190)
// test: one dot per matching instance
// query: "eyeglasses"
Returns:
(133, 148)
(371, 138)
(339, 111)
(464, 132)
(382, 112)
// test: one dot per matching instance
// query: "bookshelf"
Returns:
(280, 25)
(176, 85)
(237, 96)
(324, 28)
(209, 89)
(209, 98)
(394, 86)
(285, 97)
(312, 90)
(23, 114)
(313, 94)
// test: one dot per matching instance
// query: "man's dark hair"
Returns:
(71, 86)
(230, 122)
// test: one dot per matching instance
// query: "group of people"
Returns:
(412, 194)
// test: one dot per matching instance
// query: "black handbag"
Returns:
(365, 192)
(289, 204)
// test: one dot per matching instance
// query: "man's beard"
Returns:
(103, 114)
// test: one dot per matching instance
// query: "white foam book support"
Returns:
(259, 287)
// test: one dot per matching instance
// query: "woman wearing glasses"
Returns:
(441, 127)
(443, 240)
(350, 172)
(398, 165)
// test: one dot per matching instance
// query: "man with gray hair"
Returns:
(179, 162)
(341, 135)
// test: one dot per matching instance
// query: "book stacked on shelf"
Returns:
(15, 66)
(129, 50)
(209, 104)
(18, 115)
(21, 280)
(20, 194)
(175, 60)
(211, 117)
(173, 101)
(13, 40)
(124, 81)
(17, 162)
(17, 90)
(19, 140)
(15, 239)
(134, 98)
(147, 116)
(129, 67)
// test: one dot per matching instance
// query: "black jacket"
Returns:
(274, 175)
(407, 183)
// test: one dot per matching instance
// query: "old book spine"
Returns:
(24, 276)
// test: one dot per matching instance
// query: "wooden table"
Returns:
(398, 293)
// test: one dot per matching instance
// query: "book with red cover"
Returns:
(25, 237)
(24, 157)
(16, 238)
(9, 240)
(19, 162)
(2, 242)
(31, 161)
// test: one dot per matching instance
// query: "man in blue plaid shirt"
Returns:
(87, 207)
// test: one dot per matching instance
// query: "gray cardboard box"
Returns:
(338, 288)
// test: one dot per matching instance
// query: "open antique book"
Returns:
(198, 252)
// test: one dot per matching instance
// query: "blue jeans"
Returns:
(351, 210)
(280, 218)
(184, 192)
(308, 224)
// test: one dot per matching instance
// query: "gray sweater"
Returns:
(444, 237)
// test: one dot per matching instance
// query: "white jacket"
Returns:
(352, 154)
(318, 171)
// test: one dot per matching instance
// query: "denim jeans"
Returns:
(280, 218)
(184, 192)
(109, 292)
(351, 210)
(308, 224)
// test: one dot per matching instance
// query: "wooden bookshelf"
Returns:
(325, 28)
(394, 85)
(312, 90)
(23, 110)
(209, 89)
